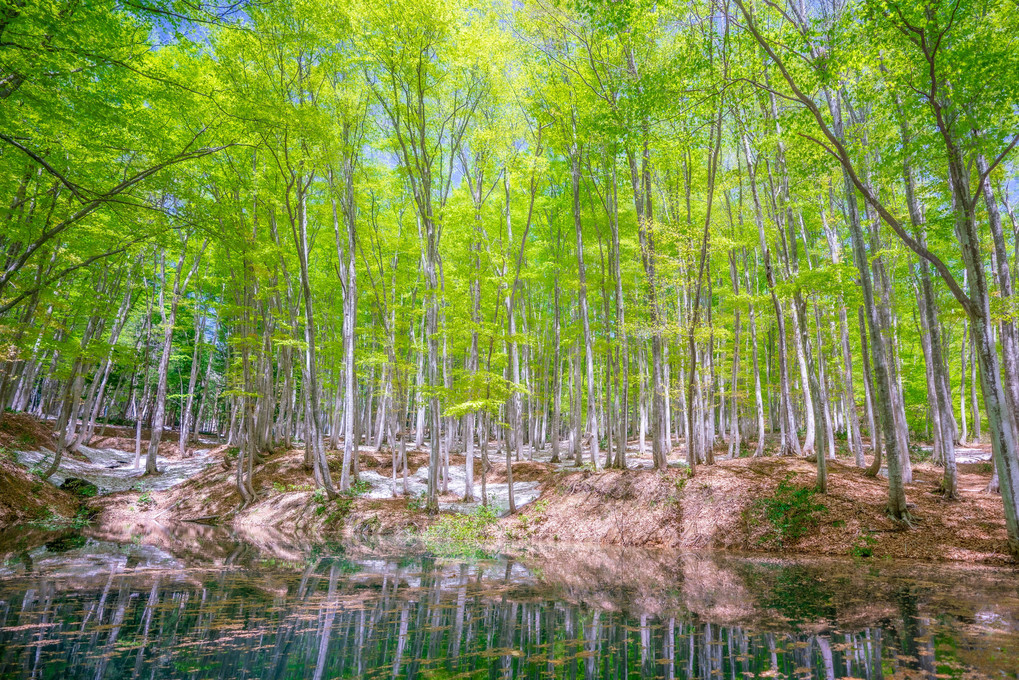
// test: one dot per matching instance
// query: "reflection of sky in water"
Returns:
(80, 608)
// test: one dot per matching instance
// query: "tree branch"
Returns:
(843, 157)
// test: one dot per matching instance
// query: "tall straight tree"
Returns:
(427, 88)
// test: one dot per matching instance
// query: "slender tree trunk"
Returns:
(973, 391)
(882, 380)
(641, 184)
(963, 348)
(207, 389)
(313, 422)
(185, 425)
(180, 282)
(734, 433)
(758, 399)
(942, 405)
(789, 443)
(1009, 332)
(557, 364)
(592, 421)
(95, 402)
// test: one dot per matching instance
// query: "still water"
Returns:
(217, 607)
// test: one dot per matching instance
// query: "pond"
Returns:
(207, 605)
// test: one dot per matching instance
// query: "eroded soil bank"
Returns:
(743, 505)
(737, 505)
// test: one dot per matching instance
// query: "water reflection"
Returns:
(100, 610)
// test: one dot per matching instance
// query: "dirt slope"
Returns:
(719, 509)
(25, 498)
(287, 504)
(23, 432)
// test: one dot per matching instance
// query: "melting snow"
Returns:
(417, 484)
(112, 470)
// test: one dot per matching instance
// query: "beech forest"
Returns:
(602, 233)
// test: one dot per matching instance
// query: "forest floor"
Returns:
(767, 504)
(742, 505)
(289, 505)
(23, 496)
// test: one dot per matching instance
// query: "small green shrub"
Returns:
(80, 487)
(681, 481)
(461, 534)
(675, 500)
(791, 511)
(145, 500)
(342, 504)
(280, 487)
(83, 518)
(535, 513)
(340, 510)
(359, 488)
(864, 546)
(418, 502)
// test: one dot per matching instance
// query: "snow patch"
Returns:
(417, 484)
(112, 470)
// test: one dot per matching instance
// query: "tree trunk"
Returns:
(557, 364)
(185, 425)
(180, 282)
(592, 421)
(789, 443)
